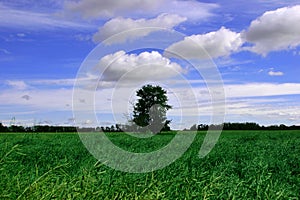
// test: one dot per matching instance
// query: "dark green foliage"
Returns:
(151, 108)
(3, 128)
(241, 126)
(242, 165)
(193, 128)
(245, 126)
(38, 129)
(45, 129)
(121, 128)
(15, 129)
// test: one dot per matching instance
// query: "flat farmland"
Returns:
(242, 165)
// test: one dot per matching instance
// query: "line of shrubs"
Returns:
(37, 128)
(243, 126)
(121, 128)
(58, 129)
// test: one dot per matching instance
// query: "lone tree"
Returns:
(151, 108)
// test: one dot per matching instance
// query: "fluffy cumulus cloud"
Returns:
(214, 44)
(137, 8)
(275, 30)
(142, 27)
(136, 67)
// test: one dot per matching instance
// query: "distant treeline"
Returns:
(121, 128)
(37, 128)
(60, 129)
(243, 126)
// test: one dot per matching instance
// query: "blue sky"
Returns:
(45, 46)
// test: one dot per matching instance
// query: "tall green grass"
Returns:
(242, 165)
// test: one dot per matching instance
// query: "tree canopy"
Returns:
(151, 108)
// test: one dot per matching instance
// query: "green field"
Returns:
(243, 165)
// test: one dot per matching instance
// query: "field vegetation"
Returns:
(243, 165)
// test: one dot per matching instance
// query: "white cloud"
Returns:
(244, 92)
(214, 44)
(139, 8)
(12, 17)
(38, 99)
(275, 30)
(20, 85)
(264, 103)
(267, 111)
(54, 97)
(4, 51)
(21, 34)
(82, 37)
(108, 8)
(137, 67)
(52, 82)
(261, 89)
(296, 53)
(273, 73)
(141, 26)
(242, 101)
(192, 9)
